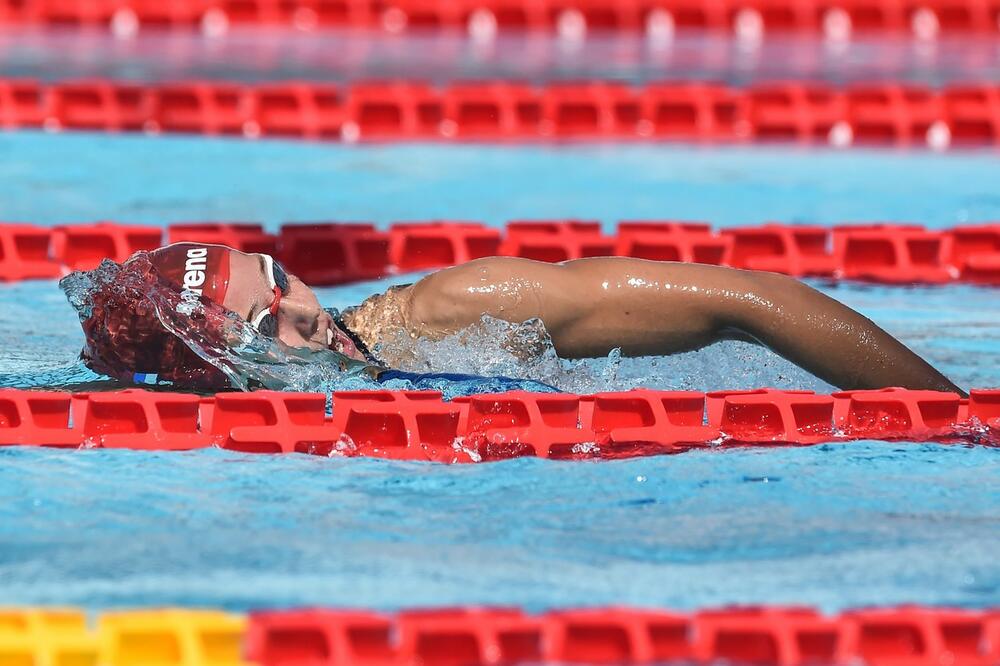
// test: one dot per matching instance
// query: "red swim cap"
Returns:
(201, 269)
(123, 315)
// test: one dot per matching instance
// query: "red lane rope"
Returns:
(784, 636)
(411, 425)
(572, 18)
(877, 114)
(334, 253)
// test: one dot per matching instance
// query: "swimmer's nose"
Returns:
(301, 320)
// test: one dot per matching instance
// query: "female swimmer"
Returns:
(588, 306)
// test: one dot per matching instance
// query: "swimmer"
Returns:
(588, 306)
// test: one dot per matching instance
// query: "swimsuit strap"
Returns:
(338, 319)
(440, 381)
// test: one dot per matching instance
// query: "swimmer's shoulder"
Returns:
(380, 314)
(435, 303)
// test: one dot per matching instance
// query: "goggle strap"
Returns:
(269, 265)
(259, 318)
(269, 271)
(277, 302)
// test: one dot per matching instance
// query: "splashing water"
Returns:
(253, 360)
(79, 286)
(493, 347)
(486, 353)
(248, 359)
(217, 335)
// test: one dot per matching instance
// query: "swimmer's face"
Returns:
(301, 322)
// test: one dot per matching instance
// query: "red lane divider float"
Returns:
(775, 636)
(419, 425)
(892, 114)
(326, 253)
(835, 18)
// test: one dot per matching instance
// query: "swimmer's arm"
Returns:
(591, 306)
(829, 339)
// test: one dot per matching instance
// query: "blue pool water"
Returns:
(77, 177)
(81, 177)
(835, 526)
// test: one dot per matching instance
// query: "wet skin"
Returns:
(302, 322)
(591, 306)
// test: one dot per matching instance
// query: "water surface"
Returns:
(835, 526)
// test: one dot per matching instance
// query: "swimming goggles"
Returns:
(266, 321)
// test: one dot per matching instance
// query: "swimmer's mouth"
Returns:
(339, 342)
